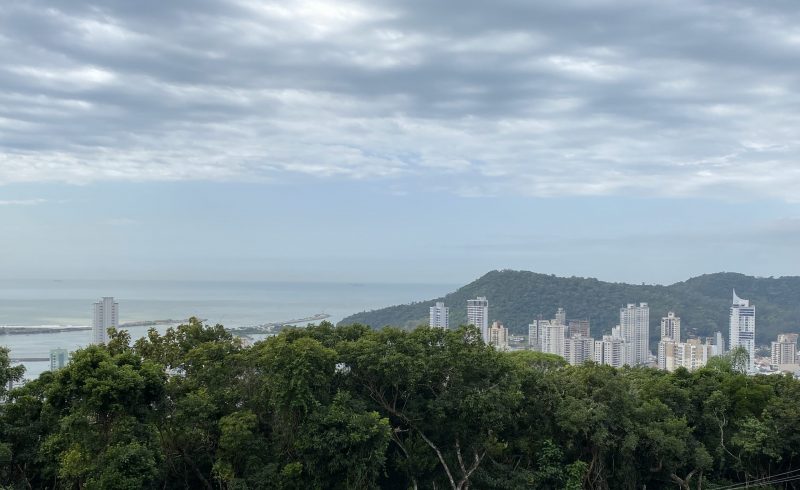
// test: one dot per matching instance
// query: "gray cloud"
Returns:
(683, 98)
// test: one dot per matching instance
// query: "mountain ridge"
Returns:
(703, 302)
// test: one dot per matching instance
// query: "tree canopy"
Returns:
(349, 407)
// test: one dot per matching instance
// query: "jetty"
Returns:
(274, 326)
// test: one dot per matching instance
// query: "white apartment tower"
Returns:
(611, 350)
(534, 334)
(439, 316)
(478, 315)
(106, 315)
(552, 338)
(635, 329)
(579, 349)
(671, 327)
(743, 328)
(58, 358)
(561, 317)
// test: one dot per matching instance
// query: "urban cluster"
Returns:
(629, 342)
(105, 314)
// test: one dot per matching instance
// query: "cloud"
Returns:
(21, 202)
(685, 98)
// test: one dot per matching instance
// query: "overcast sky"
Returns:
(414, 141)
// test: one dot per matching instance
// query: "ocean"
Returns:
(233, 304)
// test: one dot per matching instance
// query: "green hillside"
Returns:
(517, 297)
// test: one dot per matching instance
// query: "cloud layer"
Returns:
(682, 98)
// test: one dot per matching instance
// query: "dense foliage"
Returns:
(353, 408)
(517, 297)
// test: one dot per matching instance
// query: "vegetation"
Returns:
(517, 297)
(354, 408)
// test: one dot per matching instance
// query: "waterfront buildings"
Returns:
(671, 327)
(106, 315)
(634, 322)
(439, 316)
(478, 315)
(743, 328)
(498, 336)
(58, 358)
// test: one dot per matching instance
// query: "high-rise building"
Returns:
(719, 342)
(784, 351)
(611, 350)
(743, 328)
(552, 338)
(106, 315)
(578, 328)
(498, 336)
(534, 335)
(671, 327)
(561, 317)
(478, 315)
(635, 328)
(692, 354)
(58, 358)
(578, 349)
(439, 316)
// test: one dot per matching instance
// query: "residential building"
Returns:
(534, 335)
(478, 315)
(498, 336)
(611, 350)
(552, 338)
(666, 354)
(743, 328)
(106, 315)
(439, 316)
(784, 352)
(58, 358)
(635, 328)
(561, 317)
(671, 327)
(692, 354)
(579, 349)
(578, 328)
(719, 342)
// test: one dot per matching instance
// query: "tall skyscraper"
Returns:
(719, 342)
(439, 316)
(106, 315)
(635, 329)
(478, 315)
(671, 327)
(743, 328)
(534, 335)
(58, 358)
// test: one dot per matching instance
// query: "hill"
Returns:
(517, 297)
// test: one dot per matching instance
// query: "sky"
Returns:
(398, 141)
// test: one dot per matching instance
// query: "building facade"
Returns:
(612, 351)
(634, 322)
(478, 315)
(784, 351)
(552, 338)
(58, 358)
(106, 315)
(498, 336)
(579, 349)
(671, 327)
(743, 328)
(439, 316)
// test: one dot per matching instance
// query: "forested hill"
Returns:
(517, 297)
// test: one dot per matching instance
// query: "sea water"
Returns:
(233, 304)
